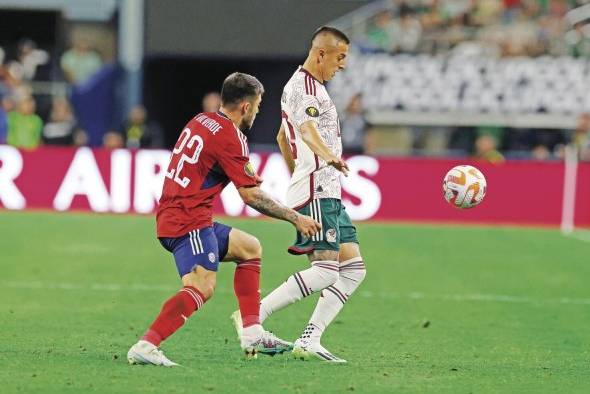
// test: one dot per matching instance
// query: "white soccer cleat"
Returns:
(236, 319)
(267, 343)
(304, 350)
(143, 353)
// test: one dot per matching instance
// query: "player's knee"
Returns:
(332, 277)
(208, 289)
(361, 273)
(328, 276)
(253, 249)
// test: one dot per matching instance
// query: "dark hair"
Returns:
(331, 30)
(238, 87)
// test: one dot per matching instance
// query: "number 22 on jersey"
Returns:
(185, 141)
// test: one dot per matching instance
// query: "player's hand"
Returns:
(307, 226)
(339, 164)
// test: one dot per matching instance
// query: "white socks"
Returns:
(301, 284)
(333, 298)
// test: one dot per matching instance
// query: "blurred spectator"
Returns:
(485, 149)
(7, 82)
(406, 31)
(211, 102)
(540, 152)
(355, 138)
(28, 58)
(581, 137)
(62, 126)
(578, 40)
(112, 140)
(379, 32)
(140, 132)
(24, 125)
(79, 63)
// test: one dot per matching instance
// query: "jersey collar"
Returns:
(308, 73)
(223, 115)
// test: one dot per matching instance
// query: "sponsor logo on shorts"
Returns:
(331, 235)
(212, 257)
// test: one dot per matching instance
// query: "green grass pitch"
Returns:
(444, 309)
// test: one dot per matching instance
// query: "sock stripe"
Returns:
(196, 296)
(331, 267)
(337, 293)
(301, 284)
(353, 266)
(253, 261)
(248, 265)
(344, 295)
(357, 259)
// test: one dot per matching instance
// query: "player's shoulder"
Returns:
(303, 83)
(229, 137)
(213, 123)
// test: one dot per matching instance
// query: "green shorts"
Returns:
(337, 227)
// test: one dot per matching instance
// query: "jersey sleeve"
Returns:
(233, 157)
(306, 108)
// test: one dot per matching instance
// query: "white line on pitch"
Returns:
(476, 297)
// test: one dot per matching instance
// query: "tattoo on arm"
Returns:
(265, 204)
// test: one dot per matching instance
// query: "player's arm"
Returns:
(311, 136)
(263, 203)
(283, 142)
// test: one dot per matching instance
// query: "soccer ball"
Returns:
(464, 187)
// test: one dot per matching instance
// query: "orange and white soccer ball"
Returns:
(464, 187)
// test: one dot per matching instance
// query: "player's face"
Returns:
(334, 60)
(251, 109)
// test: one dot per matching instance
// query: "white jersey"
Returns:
(306, 99)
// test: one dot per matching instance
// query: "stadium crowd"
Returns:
(493, 27)
(470, 29)
(29, 119)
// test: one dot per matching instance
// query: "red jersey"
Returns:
(210, 152)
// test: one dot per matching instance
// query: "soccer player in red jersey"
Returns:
(212, 151)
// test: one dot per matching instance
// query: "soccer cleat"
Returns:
(267, 343)
(143, 353)
(304, 350)
(236, 319)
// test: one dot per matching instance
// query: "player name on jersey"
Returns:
(210, 124)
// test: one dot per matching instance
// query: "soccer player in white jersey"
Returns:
(309, 139)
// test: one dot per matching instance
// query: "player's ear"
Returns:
(245, 107)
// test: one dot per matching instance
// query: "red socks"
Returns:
(247, 289)
(175, 311)
(178, 308)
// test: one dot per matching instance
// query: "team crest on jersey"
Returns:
(331, 235)
(212, 257)
(312, 111)
(249, 170)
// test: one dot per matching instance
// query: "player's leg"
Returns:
(245, 250)
(333, 298)
(322, 250)
(197, 258)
